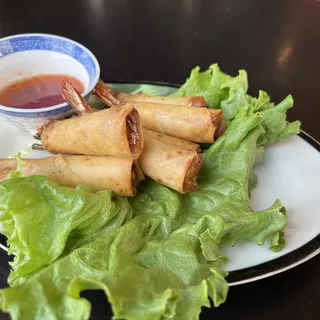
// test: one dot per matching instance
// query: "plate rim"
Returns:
(267, 269)
(264, 270)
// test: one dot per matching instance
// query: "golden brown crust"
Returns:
(102, 132)
(188, 123)
(179, 143)
(169, 164)
(97, 172)
(192, 101)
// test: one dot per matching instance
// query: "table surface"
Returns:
(277, 42)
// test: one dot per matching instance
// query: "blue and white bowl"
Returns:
(27, 55)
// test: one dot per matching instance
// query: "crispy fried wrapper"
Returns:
(171, 165)
(200, 125)
(97, 172)
(179, 143)
(196, 101)
(114, 98)
(114, 132)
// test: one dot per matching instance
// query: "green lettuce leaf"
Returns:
(274, 117)
(116, 262)
(38, 217)
(220, 90)
(223, 192)
(154, 90)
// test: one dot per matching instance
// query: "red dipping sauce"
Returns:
(37, 92)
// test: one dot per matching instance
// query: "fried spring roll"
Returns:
(180, 143)
(114, 132)
(169, 164)
(99, 173)
(194, 101)
(200, 125)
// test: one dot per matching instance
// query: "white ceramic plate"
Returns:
(290, 171)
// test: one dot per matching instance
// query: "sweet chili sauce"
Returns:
(37, 91)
